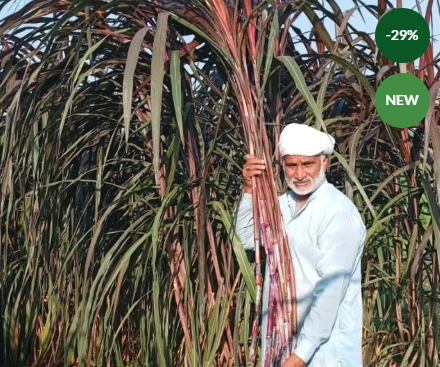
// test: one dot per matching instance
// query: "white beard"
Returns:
(315, 182)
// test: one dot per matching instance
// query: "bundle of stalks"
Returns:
(241, 33)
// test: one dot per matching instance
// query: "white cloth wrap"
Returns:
(300, 139)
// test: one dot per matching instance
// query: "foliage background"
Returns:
(122, 144)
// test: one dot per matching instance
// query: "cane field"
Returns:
(123, 130)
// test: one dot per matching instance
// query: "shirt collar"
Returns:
(291, 197)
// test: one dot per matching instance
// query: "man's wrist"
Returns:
(294, 361)
(305, 349)
(248, 190)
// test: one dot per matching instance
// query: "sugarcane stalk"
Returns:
(241, 46)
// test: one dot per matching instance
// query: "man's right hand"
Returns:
(252, 168)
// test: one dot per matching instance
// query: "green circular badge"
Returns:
(402, 100)
(402, 35)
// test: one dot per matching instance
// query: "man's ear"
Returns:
(325, 162)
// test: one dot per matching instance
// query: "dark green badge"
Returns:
(402, 35)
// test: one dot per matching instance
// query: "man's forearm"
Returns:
(244, 225)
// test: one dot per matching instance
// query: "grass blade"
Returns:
(132, 60)
(157, 71)
(176, 84)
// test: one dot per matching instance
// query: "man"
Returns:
(326, 236)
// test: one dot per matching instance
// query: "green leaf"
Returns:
(157, 74)
(237, 246)
(76, 81)
(363, 80)
(127, 90)
(176, 84)
(357, 183)
(300, 83)
(273, 36)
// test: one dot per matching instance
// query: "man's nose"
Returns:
(300, 173)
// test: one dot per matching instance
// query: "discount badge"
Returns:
(402, 35)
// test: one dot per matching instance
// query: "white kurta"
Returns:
(326, 239)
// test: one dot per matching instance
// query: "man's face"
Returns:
(305, 174)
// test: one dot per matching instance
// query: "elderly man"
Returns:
(326, 236)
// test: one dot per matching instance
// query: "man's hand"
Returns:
(294, 361)
(252, 167)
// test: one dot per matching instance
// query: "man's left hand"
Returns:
(294, 361)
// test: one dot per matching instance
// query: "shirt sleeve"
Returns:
(340, 245)
(244, 222)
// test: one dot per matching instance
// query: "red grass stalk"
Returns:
(240, 42)
(267, 217)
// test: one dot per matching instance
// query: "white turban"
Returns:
(300, 139)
